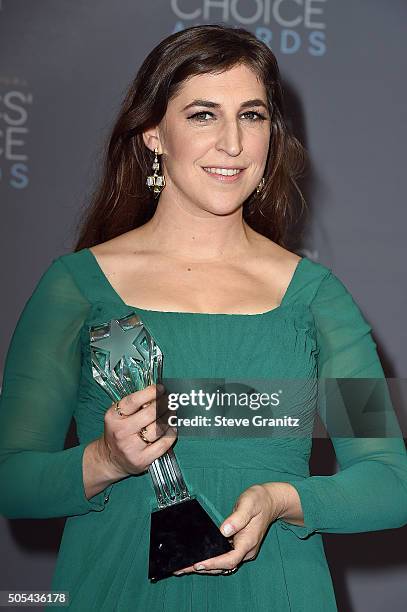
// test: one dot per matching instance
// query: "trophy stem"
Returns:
(168, 482)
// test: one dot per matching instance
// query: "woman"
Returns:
(207, 266)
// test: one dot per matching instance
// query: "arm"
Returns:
(38, 478)
(98, 470)
(369, 492)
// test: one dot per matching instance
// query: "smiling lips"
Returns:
(225, 175)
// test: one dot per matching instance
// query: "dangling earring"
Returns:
(156, 182)
(260, 185)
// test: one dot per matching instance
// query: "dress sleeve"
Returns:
(369, 492)
(38, 477)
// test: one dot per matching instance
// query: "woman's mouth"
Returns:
(224, 175)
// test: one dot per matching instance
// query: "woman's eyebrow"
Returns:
(210, 104)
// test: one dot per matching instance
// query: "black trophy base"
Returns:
(181, 535)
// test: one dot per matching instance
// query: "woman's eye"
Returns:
(254, 116)
(200, 116)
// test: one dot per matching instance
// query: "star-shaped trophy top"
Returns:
(121, 342)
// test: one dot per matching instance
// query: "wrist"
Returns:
(277, 494)
(110, 469)
(287, 502)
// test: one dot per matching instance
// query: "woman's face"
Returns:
(215, 121)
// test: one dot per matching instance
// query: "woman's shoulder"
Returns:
(76, 265)
(329, 297)
(90, 268)
(333, 301)
(82, 259)
(60, 269)
(77, 268)
(121, 251)
(312, 281)
(295, 263)
(57, 286)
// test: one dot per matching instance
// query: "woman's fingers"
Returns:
(153, 431)
(248, 523)
(135, 440)
(152, 451)
(133, 402)
(141, 410)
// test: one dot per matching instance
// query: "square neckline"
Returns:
(112, 290)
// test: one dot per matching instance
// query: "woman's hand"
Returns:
(121, 448)
(255, 509)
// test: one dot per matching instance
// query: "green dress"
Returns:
(318, 330)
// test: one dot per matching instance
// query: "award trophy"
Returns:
(126, 358)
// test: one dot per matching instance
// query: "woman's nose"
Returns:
(230, 138)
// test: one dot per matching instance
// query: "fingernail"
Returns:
(227, 529)
(199, 567)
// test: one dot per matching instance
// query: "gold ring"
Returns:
(118, 411)
(142, 434)
(229, 571)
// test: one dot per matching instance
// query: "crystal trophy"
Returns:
(126, 358)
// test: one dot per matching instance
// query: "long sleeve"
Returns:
(38, 477)
(369, 492)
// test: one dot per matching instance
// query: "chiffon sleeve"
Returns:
(369, 492)
(38, 477)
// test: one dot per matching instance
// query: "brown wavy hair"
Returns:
(122, 201)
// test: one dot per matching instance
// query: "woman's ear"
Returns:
(152, 141)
